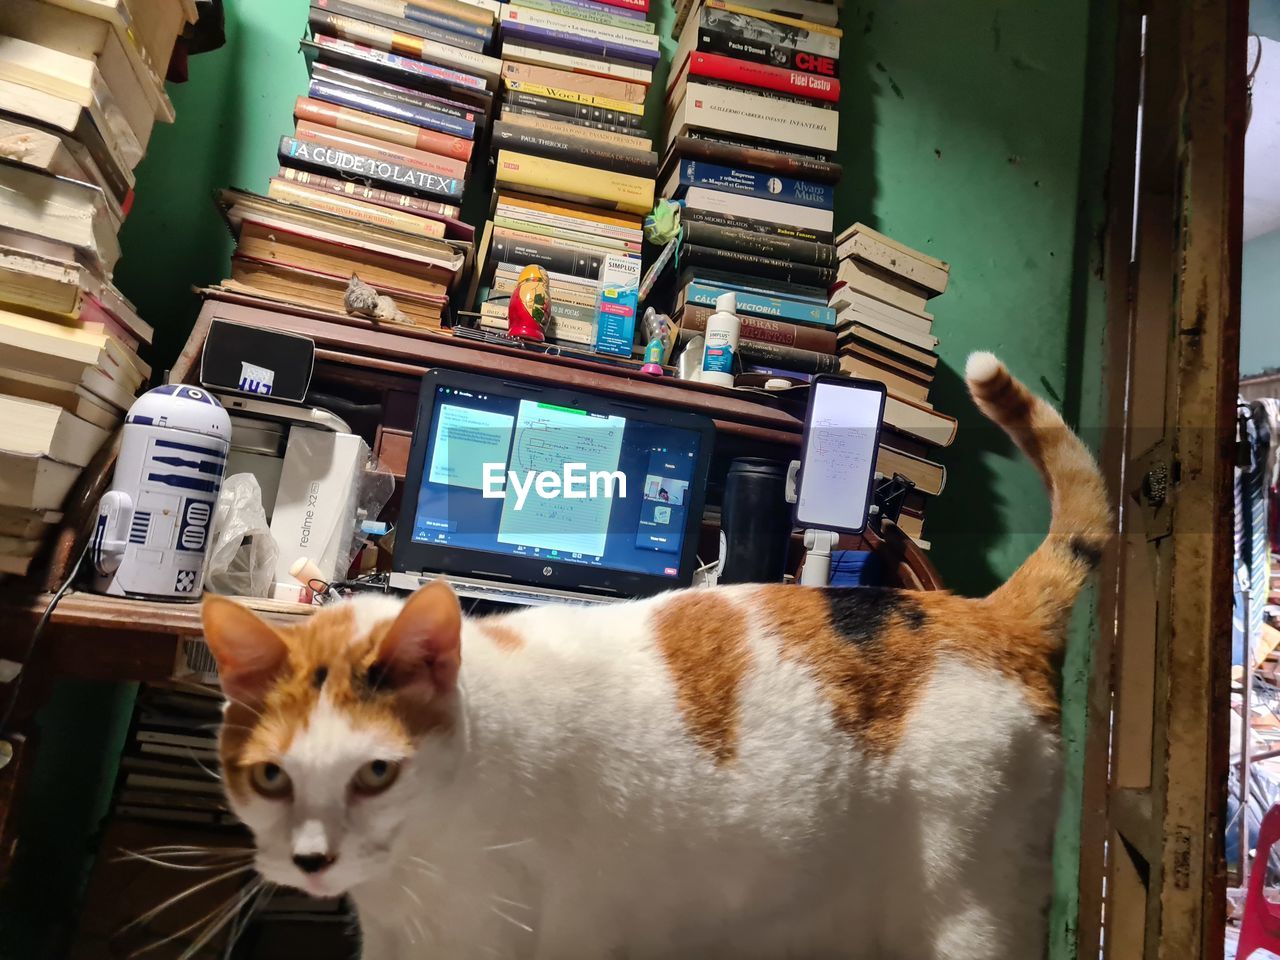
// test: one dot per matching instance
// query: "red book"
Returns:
(812, 86)
(641, 5)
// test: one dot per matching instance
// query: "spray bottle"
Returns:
(721, 342)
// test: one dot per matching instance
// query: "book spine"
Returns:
(346, 163)
(374, 147)
(387, 90)
(522, 249)
(591, 13)
(639, 5)
(763, 330)
(792, 358)
(737, 280)
(383, 198)
(404, 66)
(568, 218)
(731, 44)
(538, 174)
(574, 237)
(699, 173)
(345, 206)
(461, 33)
(692, 146)
(758, 118)
(563, 127)
(422, 10)
(508, 136)
(608, 105)
(623, 90)
(391, 109)
(567, 107)
(517, 13)
(515, 24)
(704, 294)
(757, 266)
(518, 110)
(690, 215)
(392, 41)
(812, 86)
(392, 131)
(583, 66)
(755, 243)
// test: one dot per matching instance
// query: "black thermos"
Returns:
(755, 522)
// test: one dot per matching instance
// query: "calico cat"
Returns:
(743, 772)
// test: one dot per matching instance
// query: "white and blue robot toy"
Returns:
(153, 525)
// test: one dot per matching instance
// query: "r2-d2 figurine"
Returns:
(153, 525)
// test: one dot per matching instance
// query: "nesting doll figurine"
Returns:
(530, 307)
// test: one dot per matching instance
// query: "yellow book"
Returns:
(50, 349)
(573, 96)
(776, 18)
(574, 182)
(353, 209)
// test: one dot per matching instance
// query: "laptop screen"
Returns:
(529, 478)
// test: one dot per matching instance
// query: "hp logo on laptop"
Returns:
(547, 571)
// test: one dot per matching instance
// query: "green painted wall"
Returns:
(1260, 304)
(974, 131)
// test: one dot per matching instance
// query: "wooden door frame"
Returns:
(1192, 88)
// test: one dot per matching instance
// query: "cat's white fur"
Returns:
(569, 816)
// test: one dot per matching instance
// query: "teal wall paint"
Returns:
(976, 132)
(1260, 304)
(231, 114)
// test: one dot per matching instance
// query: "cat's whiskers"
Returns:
(222, 920)
(510, 919)
(510, 903)
(203, 688)
(191, 926)
(507, 846)
(154, 911)
(217, 865)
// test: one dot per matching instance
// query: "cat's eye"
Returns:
(270, 780)
(375, 776)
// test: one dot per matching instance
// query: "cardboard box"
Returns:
(314, 514)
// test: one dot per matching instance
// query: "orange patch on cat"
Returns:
(503, 636)
(325, 658)
(703, 640)
(873, 651)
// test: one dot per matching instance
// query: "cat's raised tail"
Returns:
(1046, 586)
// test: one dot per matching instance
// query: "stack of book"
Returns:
(374, 172)
(884, 333)
(80, 92)
(751, 133)
(574, 166)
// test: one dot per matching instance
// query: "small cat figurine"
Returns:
(752, 772)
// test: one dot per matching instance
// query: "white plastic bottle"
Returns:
(721, 342)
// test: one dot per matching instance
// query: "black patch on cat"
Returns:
(1090, 554)
(319, 677)
(374, 680)
(860, 614)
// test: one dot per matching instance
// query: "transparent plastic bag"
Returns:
(242, 552)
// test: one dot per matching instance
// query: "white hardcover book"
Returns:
(520, 53)
(47, 430)
(433, 51)
(882, 285)
(757, 117)
(62, 75)
(59, 209)
(514, 13)
(846, 319)
(547, 219)
(757, 208)
(913, 267)
(34, 483)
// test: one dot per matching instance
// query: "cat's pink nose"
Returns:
(312, 862)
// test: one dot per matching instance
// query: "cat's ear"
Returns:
(249, 651)
(423, 645)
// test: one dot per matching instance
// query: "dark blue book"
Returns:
(753, 183)
(391, 109)
(579, 43)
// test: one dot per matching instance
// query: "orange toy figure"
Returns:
(530, 307)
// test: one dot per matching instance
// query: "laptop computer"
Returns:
(528, 494)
